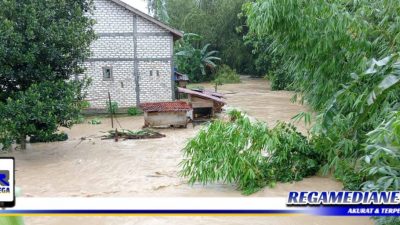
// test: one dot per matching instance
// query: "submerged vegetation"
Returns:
(248, 154)
(342, 58)
(133, 134)
(227, 75)
(134, 111)
(329, 49)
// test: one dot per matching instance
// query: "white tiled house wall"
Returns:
(115, 48)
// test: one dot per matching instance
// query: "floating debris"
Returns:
(130, 135)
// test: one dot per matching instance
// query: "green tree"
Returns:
(158, 9)
(329, 48)
(42, 44)
(39, 111)
(194, 60)
(322, 42)
(216, 21)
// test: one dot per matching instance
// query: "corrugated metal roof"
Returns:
(177, 106)
(207, 95)
(181, 77)
(208, 92)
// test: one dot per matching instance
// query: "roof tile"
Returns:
(177, 106)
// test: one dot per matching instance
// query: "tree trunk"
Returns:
(23, 142)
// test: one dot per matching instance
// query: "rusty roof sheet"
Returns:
(207, 95)
(177, 106)
(208, 92)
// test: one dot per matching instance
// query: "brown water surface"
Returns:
(86, 166)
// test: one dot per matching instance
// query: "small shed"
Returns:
(204, 103)
(165, 114)
(181, 80)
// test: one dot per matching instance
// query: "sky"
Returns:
(139, 4)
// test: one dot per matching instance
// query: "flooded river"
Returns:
(85, 166)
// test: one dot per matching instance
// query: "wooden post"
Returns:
(110, 109)
(116, 135)
(23, 142)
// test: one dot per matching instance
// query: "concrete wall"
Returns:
(165, 119)
(132, 46)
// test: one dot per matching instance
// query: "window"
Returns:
(107, 73)
(158, 73)
(151, 72)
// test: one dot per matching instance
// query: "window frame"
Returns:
(104, 68)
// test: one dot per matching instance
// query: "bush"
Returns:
(279, 79)
(39, 111)
(382, 158)
(49, 138)
(291, 156)
(226, 75)
(228, 152)
(248, 154)
(112, 107)
(134, 111)
(95, 121)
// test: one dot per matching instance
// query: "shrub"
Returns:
(112, 107)
(248, 154)
(49, 138)
(134, 111)
(39, 111)
(382, 158)
(228, 152)
(291, 156)
(95, 121)
(279, 79)
(226, 75)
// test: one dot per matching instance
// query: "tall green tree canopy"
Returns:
(158, 9)
(322, 42)
(216, 21)
(42, 44)
(195, 60)
(42, 40)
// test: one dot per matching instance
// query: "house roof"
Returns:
(176, 33)
(206, 95)
(181, 77)
(177, 106)
(208, 92)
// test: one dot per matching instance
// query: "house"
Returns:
(204, 103)
(166, 114)
(132, 57)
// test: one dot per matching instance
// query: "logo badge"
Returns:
(4, 178)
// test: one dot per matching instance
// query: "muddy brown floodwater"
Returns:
(85, 166)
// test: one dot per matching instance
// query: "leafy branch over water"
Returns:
(248, 154)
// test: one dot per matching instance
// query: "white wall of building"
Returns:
(142, 77)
